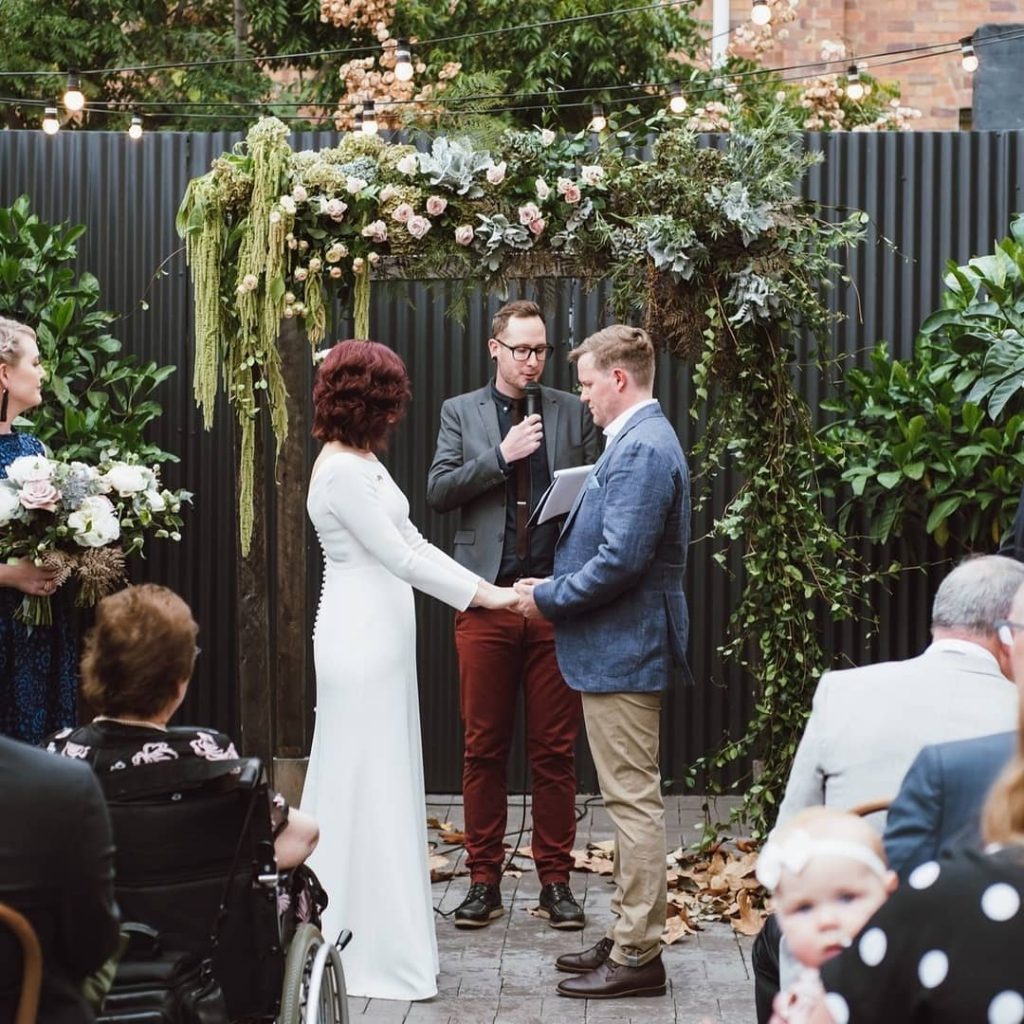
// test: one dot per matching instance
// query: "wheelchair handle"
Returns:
(343, 939)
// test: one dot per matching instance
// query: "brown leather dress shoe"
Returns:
(616, 981)
(581, 963)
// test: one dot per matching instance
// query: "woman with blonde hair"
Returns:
(38, 677)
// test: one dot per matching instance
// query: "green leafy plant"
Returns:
(933, 444)
(95, 399)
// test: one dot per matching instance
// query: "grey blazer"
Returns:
(466, 474)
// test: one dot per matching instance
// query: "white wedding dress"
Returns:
(364, 785)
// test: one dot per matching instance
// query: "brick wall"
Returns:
(937, 86)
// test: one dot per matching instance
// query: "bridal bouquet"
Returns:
(82, 521)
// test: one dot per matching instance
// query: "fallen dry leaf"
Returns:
(445, 826)
(675, 929)
(750, 920)
(452, 836)
(440, 868)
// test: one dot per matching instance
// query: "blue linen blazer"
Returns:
(938, 807)
(616, 598)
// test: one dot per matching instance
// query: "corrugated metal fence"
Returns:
(934, 196)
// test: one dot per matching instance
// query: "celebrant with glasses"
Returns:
(496, 451)
(38, 676)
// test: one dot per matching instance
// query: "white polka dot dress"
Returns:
(947, 948)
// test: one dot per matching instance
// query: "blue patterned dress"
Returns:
(38, 667)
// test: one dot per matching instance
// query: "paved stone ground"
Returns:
(504, 974)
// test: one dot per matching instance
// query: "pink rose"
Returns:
(464, 234)
(39, 494)
(436, 205)
(496, 173)
(538, 225)
(528, 213)
(333, 208)
(377, 231)
(417, 226)
(572, 194)
(543, 189)
(403, 211)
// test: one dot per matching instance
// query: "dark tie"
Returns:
(522, 491)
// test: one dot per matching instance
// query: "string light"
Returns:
(369, 118)
(760, 13)
(51, 125)
(135, 128)
(403, 59)
(854, 86)
(74, 101)
(677, 101)
(969, 59)
(598, 122)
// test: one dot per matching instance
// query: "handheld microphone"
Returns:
(532, 395)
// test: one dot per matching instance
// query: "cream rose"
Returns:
(547, 136)
(464, 234)
(377, 231)
(299, 194)
(592, 174)
(127, 479)
(95, 523)
(496, 173)
(543, 189)
(409, 164)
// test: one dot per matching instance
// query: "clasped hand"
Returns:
(514, 599)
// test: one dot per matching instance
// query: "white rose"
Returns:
(127, 479)
(288, 204)
(300, 274)
(354, 185)
(249, 282)
(95, 523)
(299, 194)
(315, 265)
(592, 174)
(409, 164)
(464, 234)
(387, 192)
(9, 503)
(30, 468)
(543, 189)
(547, 136)
(378, 231)
(496, 173)
(155, 500)
(333, 208)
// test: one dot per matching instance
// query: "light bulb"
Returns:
(760, 13)
(403, 58)
(135, 128)
(677, 101)
(598, 122)
(369, 119)
(969, 59)
(74, 101)
(50, 123)
(854, 86)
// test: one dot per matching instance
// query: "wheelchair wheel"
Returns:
(314, 981)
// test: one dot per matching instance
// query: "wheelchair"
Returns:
(195, 861)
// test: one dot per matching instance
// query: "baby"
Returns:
(827, 873)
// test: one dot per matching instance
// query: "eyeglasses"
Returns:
(1005, 630)
(521, 353)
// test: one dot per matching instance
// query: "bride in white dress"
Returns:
(364, 784)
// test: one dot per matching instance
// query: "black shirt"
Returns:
(541, 553)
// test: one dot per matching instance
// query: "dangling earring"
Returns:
(3, 407)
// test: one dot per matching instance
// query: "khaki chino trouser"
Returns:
(623, 733)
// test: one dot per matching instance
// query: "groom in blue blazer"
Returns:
(616, 601)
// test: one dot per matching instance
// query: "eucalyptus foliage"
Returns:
(934, 444)
(95, 399)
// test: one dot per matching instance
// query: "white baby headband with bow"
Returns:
(795, 851)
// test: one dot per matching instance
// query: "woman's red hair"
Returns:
(360, 393)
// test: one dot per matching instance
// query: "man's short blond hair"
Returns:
(620, 345)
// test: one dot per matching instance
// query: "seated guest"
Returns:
(946, 947)
(867, 724)
(827, 875)
(56, 869)
(136, 669)
(938, 807)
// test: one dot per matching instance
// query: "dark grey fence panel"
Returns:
(934, 195)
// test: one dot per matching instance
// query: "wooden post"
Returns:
(254, 680)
